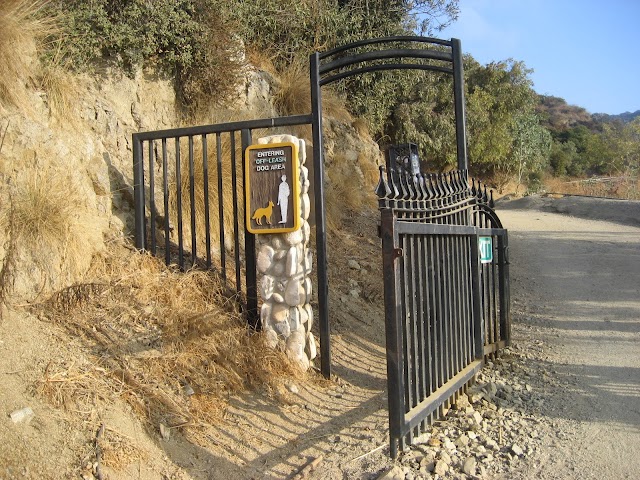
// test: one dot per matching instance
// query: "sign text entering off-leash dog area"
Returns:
(272, 188)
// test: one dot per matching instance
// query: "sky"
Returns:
(585, 51)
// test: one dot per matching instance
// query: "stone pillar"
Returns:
(284, 262)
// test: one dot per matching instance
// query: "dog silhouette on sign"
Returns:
(263, 212)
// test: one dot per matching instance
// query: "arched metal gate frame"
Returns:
(358, 58)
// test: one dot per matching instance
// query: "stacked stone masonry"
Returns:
(284, 263)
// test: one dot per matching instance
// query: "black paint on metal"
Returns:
(444, 309)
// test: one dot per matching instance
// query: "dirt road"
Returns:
(576, 293)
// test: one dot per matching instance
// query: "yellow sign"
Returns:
(272, 188)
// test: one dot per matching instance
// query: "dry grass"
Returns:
(23, 26)
(169, 343)
(627, 186)
(294, 95)
(41, 218)
(118, 450)
(61, 87)
(43, 211)
(350, 188)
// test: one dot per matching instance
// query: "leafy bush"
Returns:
(183, 38)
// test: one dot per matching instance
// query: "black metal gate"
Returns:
(445, 309)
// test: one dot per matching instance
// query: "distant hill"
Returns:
(625, 117)
(558, 115)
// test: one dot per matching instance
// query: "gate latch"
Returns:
(397, 253)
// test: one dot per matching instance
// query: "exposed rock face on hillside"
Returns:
(71, 173)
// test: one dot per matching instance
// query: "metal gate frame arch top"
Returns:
(334, 65)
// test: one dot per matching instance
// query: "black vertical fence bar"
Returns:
(179, 204)
(223, 257)
(192, 203)
(458, 302)
(404, 321)
(468, 295)
(423, 390)
(205, 187)
(446, 276)
(152, 199)
(236, 229)
(410, 331)
(442, 356)
(165, 187)
(138, 194)
(494, 290)
(251, 275)
(433, 301)
(478, 320)
(503, 286)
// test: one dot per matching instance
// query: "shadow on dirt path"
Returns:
(576, 288)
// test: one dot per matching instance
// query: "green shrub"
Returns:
(183, 38)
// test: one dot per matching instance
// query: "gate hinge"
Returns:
(397, 253)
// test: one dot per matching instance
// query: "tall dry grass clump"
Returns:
(293, 95)
(24, 25)
(40, 216)
(171, 344)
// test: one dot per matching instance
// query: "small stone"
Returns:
(311, 349)
(279, 313)
(165, 431)
(449, 445)
(294, 293)
(292, 262)
(462, 441)
(462, 402)
(444, 456)
(267, 286)
(441, 468)
(295, 322)
(469, 466)
(352, 264)
(282, 328)
(293, 238)
(271, 337)
(264, 259)
(309, 311)
(515, 448)
(305, 206)
(23, 415)
(188, 390)
(477, 418)
(492, 444)
(293, 388)
(308, 287)
(394, 473)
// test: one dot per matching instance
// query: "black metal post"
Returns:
(503, 285)
(250, 252)
(458, 95)
(138, 193)
(321, 234)
(393, 328)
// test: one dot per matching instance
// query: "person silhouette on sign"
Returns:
(283, 198)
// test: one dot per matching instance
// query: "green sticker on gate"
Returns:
(485, 246)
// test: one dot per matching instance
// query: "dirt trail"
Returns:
(576, 289)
